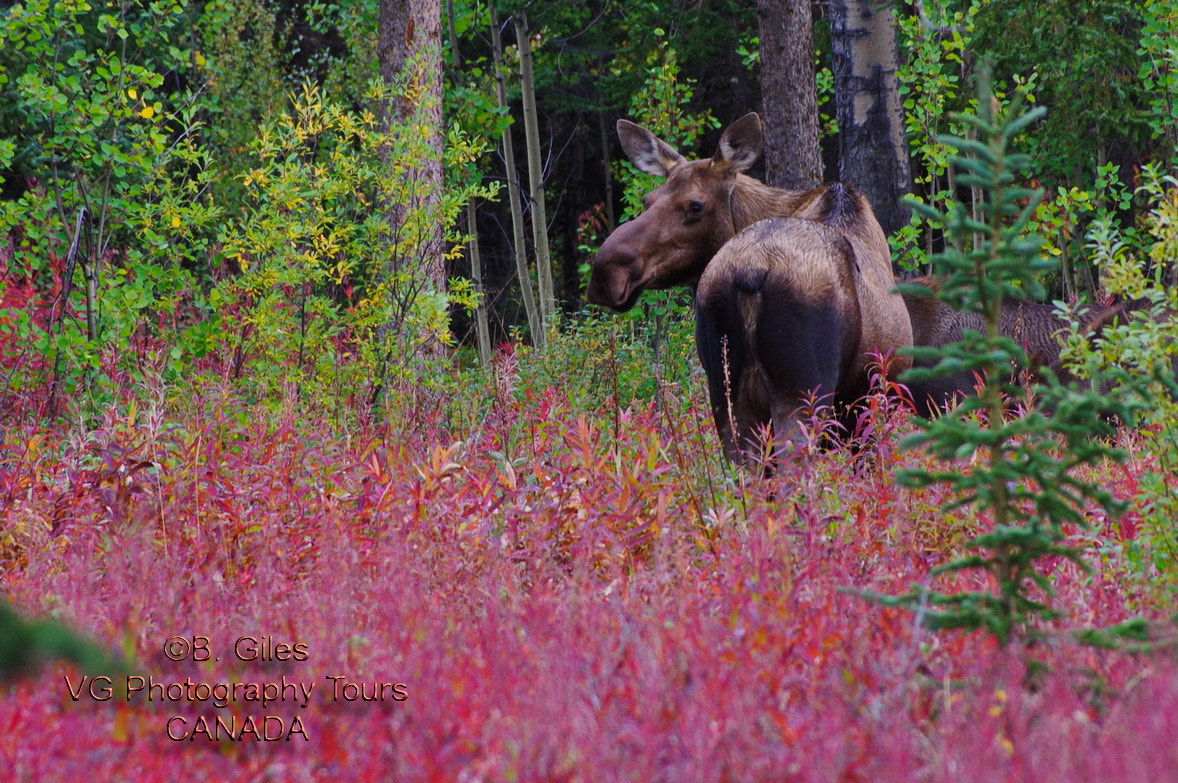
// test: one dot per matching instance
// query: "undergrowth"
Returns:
(564, 592)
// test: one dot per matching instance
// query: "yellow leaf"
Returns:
(175, 221)
(120, 730)
(200, 59)
(147, 112)
(132, 93)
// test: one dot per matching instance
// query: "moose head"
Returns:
(686, 220)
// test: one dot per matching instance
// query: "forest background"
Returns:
(234, 161)
(292, 338)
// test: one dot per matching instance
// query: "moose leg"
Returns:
(724, 358)
(799, 349)
(763, 357)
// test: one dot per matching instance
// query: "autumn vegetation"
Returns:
(493, 530)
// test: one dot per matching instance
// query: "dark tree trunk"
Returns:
(788, 95)
(872, 152)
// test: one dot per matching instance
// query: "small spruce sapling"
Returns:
(24, 645)
(1024, 475)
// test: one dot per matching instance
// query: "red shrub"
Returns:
(559, 606)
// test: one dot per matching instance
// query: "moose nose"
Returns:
(593, 294)
(610, 275)
(595, 289)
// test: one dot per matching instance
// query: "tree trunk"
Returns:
(872, 152)
(409, 45)
(611, 221)
(482, 327)
(547, 291)
(789, 99)
(535, 324)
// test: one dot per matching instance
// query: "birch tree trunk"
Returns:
(547, 292)
(482, 327)
(789, 99)
(535, 325)
(872, 152)
(409, 35)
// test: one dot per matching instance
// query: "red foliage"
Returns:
(560, 604)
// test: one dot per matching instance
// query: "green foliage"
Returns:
(661, 105)
(89, 89)
(1086, 56)
(240, 60)
(7, 152)
(25, 645)
(1025, 472)
(603, 362)
(939, 62)
(1104, 66)
(1158, 53)
(333, 44)
(126, 219)
(470, 100)
(930, 78)
(324, 283)
(1139, 270)
(705, 38)
(1062, 218)
(122, 179)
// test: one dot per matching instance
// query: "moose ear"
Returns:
(646, 151)
(741, 143)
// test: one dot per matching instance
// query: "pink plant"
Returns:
(554, 601)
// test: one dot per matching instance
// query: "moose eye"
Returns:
(695, 208)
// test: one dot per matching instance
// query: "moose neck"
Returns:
(753, 200)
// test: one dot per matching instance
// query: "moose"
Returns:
(1032, 325)
(793, 288)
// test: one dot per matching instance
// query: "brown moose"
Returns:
(794, 290)
(800, 297)
(1034, 326)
